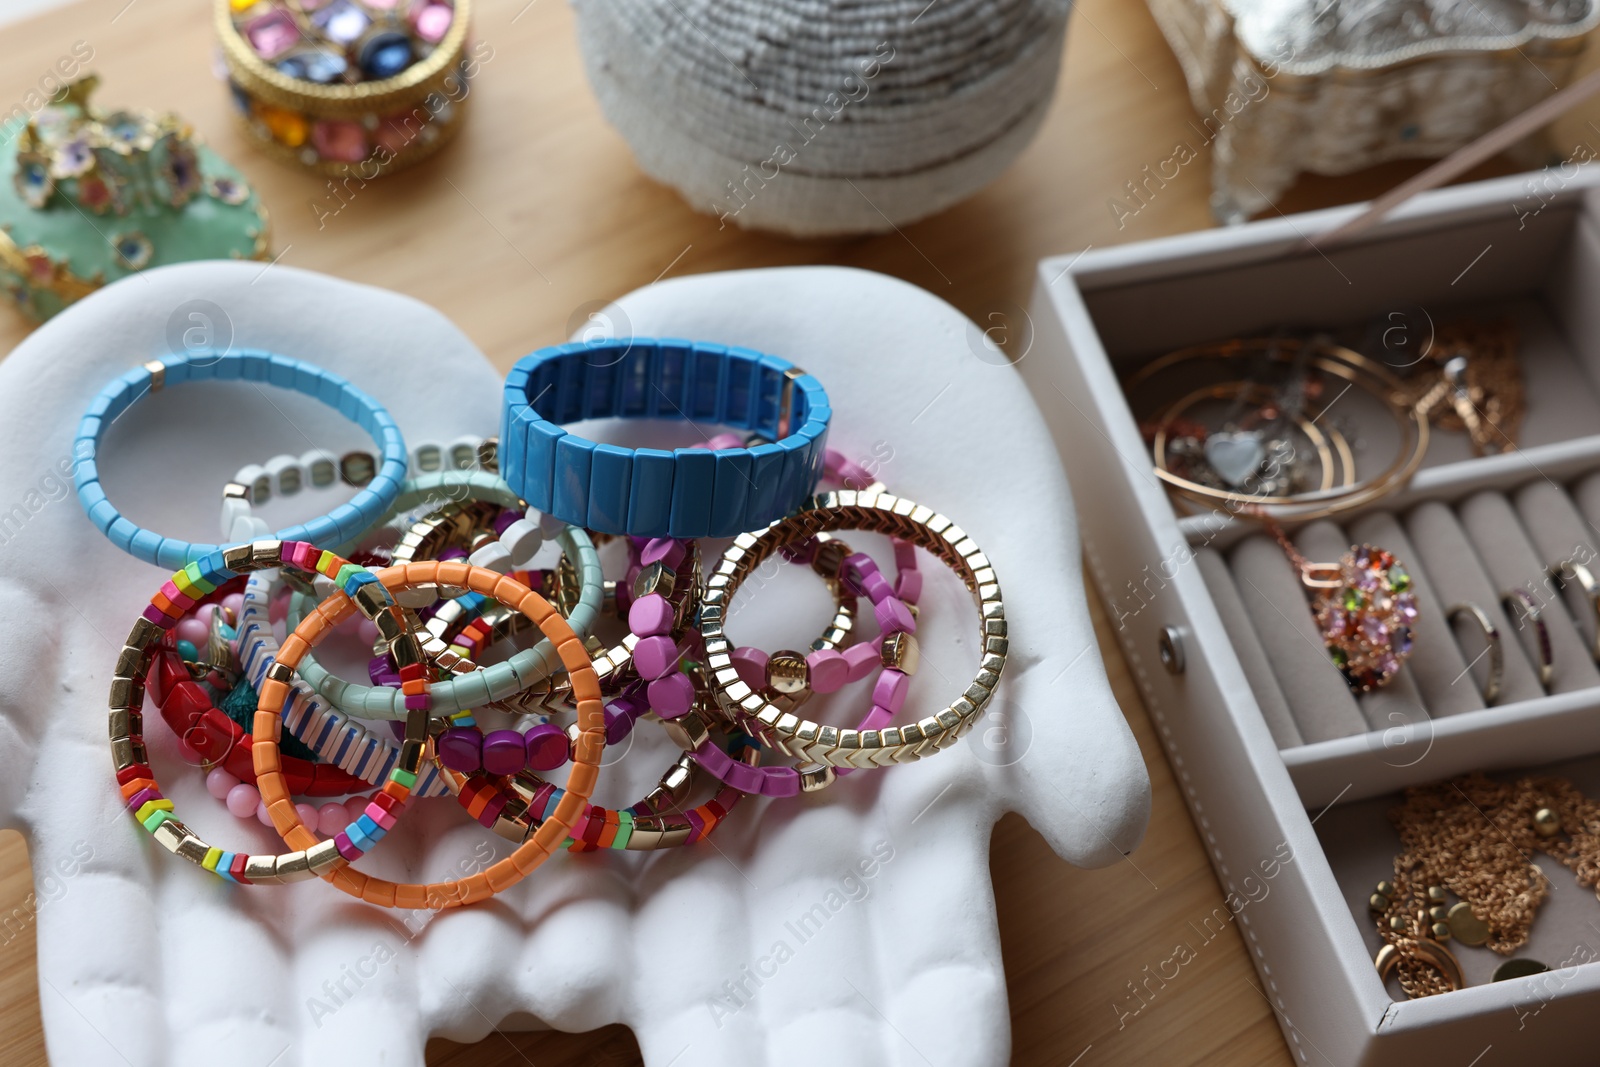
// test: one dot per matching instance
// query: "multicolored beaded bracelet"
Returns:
(505, 536)
(466, 748)
(344, 523)
(140, 792)
(434, 509)
(216, 736)
(486, 534)
(447, 533)
(476, 688)
(648, 492)
(327, 730)
(658, 821)
(460, 631)
(878, 513)
(368, 753)
(360, 589)
(536, 744)
(647, 825)
(182, 681)
(580, 782)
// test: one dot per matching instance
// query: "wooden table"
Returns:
(543, 214)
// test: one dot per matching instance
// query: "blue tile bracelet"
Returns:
(343, 524)
(647, 492)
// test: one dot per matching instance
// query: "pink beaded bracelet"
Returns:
(881, 513)
(788, 674)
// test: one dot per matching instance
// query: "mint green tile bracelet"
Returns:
(474, 689)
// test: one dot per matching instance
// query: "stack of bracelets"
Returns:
(435, 560)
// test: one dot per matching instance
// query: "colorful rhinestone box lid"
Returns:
(96, 195)
(347, 86)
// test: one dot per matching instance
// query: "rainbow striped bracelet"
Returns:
(141, 793)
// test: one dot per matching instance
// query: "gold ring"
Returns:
(1523, 608)
(1429, 952)
(1591, 589)
(1491, 634)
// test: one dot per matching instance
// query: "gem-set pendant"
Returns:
(1365, 609)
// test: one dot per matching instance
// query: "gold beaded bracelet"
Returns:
(802, 739)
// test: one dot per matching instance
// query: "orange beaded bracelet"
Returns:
(586, 749)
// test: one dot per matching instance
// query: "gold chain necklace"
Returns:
(1475, 838)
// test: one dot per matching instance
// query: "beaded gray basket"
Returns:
(816, 117)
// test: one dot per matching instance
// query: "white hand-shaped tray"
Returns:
(857, 924)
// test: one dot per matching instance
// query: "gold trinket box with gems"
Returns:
(92, 196)
(349, 87)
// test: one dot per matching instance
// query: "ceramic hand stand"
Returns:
(859, 921)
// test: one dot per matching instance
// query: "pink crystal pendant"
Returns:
(1365, 607)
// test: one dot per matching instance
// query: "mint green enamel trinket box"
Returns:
(90, 196)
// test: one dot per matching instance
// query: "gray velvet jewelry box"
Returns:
(1287, 774)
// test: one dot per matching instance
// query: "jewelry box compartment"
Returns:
(1480, 533)
(1493, 555)
(1361, 843)
(1265, 750)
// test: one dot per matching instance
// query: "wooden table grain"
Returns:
(539, 214)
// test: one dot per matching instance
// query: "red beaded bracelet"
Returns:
(188, 710)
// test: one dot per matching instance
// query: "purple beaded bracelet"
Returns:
(857, 574)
